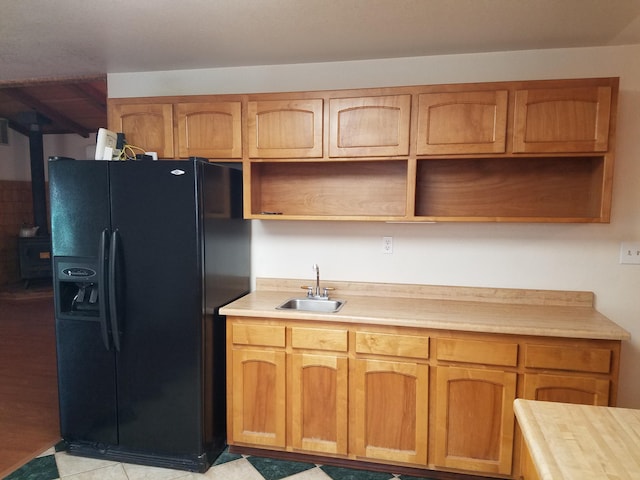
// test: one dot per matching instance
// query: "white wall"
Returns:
(565, 257)
(15, 163)
(14, 158)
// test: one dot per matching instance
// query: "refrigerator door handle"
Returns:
(104, 328)
(113, 301)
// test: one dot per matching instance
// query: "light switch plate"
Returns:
(630, 253)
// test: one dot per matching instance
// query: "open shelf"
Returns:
(328, 189)
(522, 187)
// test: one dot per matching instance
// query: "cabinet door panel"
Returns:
(390, 410)
(462, 122)
(566, 389)
(210, 130)
(562, 120)
(369, 126)
(147, 126)
(319, 403)
(258, 409)
(285, 128)
(474, 419)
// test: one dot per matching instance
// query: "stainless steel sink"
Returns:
(312, 305)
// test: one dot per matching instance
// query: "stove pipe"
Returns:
(38, 188)
(34, 121)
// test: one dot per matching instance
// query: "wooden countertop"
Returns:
(506, 311)
(581, 442)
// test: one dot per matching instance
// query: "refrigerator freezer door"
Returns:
(86, 383)
(86, 369)
(159, 283)
(79, 193)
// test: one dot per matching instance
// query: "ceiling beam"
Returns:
(91, 93)
(31, 102)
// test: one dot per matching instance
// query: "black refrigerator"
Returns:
(144, 254)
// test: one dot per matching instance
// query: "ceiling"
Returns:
(54, 55)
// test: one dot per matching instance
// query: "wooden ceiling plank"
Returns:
(92, 94)
(33, 103)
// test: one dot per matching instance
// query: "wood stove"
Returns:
(34, 254)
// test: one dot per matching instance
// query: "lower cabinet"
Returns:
(317, 390)
(566, 389)
(546, 377)
(404, 396)
(256, 384)
(259, 397)
(528, 470)
(474, 419)
(390, 401)
(318, 403)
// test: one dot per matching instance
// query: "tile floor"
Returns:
(53, 465)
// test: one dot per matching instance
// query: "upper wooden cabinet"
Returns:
(369, 126)
(148, 126)
(573, 119)
(209, 129)
(285, 128)
(462, 122)
(344, 189)
(521, 151)
(180, 127)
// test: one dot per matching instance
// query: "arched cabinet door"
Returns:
(391, 421)
(318, 396)
(256, 384)
(566, 389)
(210, 130)
(451, 123)
(148, 126)
(474, 419)
(369, 126)
(572, 119)
(285, 128)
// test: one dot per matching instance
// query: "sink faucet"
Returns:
(315, 292)
(316, 269)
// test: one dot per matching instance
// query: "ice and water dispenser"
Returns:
(79, 286)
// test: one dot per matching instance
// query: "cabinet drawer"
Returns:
(597, 360)
(266, 335)
(474, 351)
(392, 344)
(319, 339)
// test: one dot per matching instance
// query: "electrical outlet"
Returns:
(630, 253)
(387, 244)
